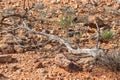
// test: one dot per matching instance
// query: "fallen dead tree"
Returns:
(94, 52)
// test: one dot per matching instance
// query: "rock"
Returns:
(8, 39)
(39, 6)
(13, 68)
(118, 1)
(55, 1)
(68, 65)
(5, 58)
(85, 1)
(48, 46)
(18, 49)
(38, 65)
(6, 49)
(2, 77)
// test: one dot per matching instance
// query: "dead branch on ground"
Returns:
(94, 52)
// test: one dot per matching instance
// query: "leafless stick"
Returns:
(92, 52)
(98, 35)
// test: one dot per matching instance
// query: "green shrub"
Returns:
(78, 35)
(106, 34)
(65, 21)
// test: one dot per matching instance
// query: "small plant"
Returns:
(65, 21)
(77, 35)
(106, 34)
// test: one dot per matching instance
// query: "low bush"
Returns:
(65, 21)
(106, 35)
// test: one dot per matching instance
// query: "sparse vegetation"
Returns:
(83, 32)
(78, 35)
(65, 21)
(106, 35)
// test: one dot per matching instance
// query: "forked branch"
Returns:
(90, 52)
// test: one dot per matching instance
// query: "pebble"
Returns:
(18, 49)
(6, 49)
(5, 58)
(118, 1)
(55, 1)
(39, 6)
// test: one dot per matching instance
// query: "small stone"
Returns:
(13, 68)
(2, 77)
(77, 79)
(66, 64)
(87, 77)
(6, 49)
(8, 39)
(5, 58)
(55, 1)
(18, 49)
(48, 46)
(103, 76)
(118, 1)
(38, 65)
(39, 6)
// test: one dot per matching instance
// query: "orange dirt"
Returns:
(40, 65)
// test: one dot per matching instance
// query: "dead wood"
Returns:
(62, 41)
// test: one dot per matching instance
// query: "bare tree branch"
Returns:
(92, 52)
(67, 43)
(98, 35)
